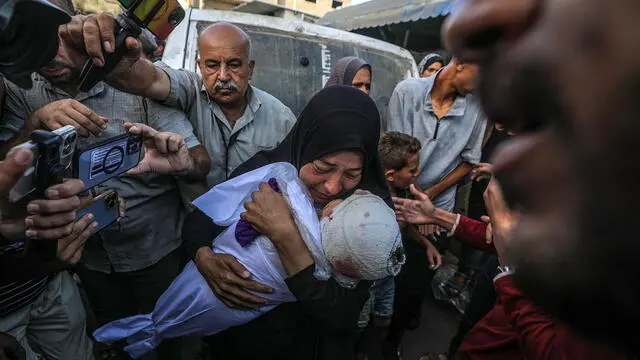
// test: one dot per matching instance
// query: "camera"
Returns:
(53, 156)
(158, 16)
(28, 37)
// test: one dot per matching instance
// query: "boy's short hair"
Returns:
(395, 149)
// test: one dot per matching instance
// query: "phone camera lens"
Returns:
(176, 16)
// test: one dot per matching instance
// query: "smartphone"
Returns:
(52, 156)
(107, 159)
(104, 207)
(159, 16)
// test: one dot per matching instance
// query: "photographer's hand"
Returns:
(53, 218)
(11, 168)
(164, 152)
(70, 247)
(69, 112)
(92, 36)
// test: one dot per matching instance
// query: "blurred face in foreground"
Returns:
(571, 170)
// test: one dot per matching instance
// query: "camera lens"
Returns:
(176, 16)
(111, 202)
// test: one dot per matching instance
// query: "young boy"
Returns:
(400, 155)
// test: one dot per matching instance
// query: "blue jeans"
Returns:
(380, 301)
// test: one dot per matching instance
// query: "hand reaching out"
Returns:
(415, 211)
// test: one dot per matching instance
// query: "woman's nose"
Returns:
(333, 186)
(477, 26)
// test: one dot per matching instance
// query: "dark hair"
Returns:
(395, 149)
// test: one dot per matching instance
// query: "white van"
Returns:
(294, 58)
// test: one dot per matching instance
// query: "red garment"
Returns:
(516, 328)
(473, 233)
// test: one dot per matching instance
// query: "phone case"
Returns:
(107, 159)
(105, 208)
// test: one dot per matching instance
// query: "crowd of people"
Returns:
(513, 113)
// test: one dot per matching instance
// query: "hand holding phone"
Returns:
(105, 208)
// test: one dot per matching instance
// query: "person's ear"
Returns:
(252, 65)
(389, 176)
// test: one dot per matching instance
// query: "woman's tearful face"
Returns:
(332, 175)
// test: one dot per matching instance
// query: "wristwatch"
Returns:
(506, 269)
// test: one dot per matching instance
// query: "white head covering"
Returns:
(362, 240)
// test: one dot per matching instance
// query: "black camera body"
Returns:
(53, 156)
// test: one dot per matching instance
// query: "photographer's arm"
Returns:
(85, 35)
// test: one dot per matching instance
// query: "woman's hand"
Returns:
(269, 214)
(229, 280)
(418, 211)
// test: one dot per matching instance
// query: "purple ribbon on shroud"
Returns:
(245, 233)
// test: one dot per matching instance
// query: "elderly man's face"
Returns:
(573, 170)
(225, 67)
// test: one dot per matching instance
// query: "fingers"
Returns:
(141, 129)
(175, 142)
(70, 248)
(106, 25)
(237, 268)
(142, 168)
(417, 193)
(40, 207)
(494, 200)
(438, 261)
(50, 234)
(399, 203)
(53, 221)
(87, 118)
(92, 40)
(70, 187)
(71, 32)
(231, 288)
(122, 206)
(168, 142)
(16, 162)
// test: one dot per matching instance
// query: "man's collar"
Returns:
(253, 102)
(459, 104)
(97, 89)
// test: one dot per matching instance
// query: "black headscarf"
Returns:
(345, 70)
(337, 118)
(429, 60)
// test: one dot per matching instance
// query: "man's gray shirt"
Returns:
(264, 124)
(447, 142)
(152, 225)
